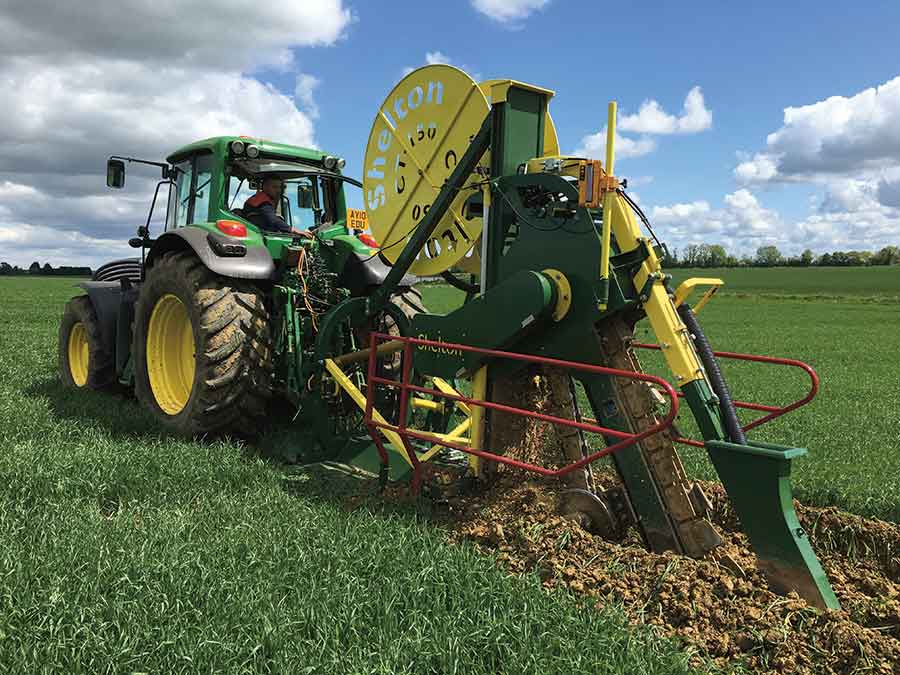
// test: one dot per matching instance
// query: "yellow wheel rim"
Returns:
(78, 354)
(170, 354)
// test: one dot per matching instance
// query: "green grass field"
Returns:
(881, 284)
(122, 550)
(852, 428)
(125, 550)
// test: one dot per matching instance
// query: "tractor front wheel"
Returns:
(202, 350)
(83, 359)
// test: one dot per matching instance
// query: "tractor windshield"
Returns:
(318, 201)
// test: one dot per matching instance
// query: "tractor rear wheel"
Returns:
(202, 349)
(409, 302)
(83, 359)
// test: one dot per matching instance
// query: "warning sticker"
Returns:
(357, 219)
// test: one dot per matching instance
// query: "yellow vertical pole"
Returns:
(608, 200)
(479, 391)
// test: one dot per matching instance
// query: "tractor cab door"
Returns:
(189, 201)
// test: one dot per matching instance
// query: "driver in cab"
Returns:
(260, 208)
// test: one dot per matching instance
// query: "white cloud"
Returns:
(594, 145)
(138, 79)
(676, 213)
(58, 247)
(849, 196)
(221, 34)
(848, 218)
(843, 136)
(758, 169)
(889, 192)
(652, 119)
(742, 224)
(509, 12)
(304, 93)
(433, 58)
(440, 58)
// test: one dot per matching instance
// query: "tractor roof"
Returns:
(219, 144)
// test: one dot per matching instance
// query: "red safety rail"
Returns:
(772, 411)
(406, 387)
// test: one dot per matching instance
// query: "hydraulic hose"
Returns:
(459, 284)
(729, 414)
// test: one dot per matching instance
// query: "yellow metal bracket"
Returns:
(608, 201)
(687, 287)
(347, 385)
(563, 293)
(445, 387)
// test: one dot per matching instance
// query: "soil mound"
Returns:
(720, 605)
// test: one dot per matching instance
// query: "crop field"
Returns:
(124, 550)
(852, 427)
(880, 284)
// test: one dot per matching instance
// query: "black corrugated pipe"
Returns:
(716, 380)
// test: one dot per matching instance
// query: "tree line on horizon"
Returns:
(715, 255)
(44, 270)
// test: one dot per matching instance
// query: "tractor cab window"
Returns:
(307, 201)
(189, 200)
(203, 185)
(179, 197)
(304, 197)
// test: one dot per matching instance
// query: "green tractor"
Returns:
(216, 315)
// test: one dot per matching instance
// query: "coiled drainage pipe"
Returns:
(729, 414)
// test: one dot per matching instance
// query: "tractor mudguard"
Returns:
(113, 302)
(364, 271)
(106, 298)
(256, 263)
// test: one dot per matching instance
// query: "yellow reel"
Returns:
(421, 131)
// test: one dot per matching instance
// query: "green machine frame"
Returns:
(535, 230)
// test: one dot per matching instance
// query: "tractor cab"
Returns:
(208, 183)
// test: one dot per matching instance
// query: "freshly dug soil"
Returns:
(719, 606)
(722, 609)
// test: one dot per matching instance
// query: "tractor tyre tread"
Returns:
(234, 370)
(410, 302)
(101, 374)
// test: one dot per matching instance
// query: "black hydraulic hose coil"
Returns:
(729, 414)
(458, 283)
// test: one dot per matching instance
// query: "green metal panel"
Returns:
(704, 406)
(496, 320)
(757, 478)
(516, 136)
(219, 145)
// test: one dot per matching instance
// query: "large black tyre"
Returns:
(410, 302)
(84, 361)
(223, 387)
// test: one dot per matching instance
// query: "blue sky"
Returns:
(316, 72)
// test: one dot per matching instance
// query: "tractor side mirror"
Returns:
(115, 173)
(306, 196)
